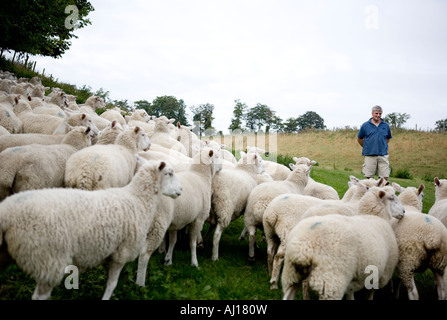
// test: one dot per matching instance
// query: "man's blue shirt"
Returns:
(374, 138)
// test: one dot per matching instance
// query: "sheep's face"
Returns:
(170, 185)
(256, 160)
(392, 204)
(86, 121)
(143, 141)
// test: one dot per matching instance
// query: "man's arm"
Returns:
(360, 141)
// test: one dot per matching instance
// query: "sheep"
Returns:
(286, 210)
(106, 166)
(335, 253)
(162, 137)
(114, 114)
(263, 194)
(15, 140)
(45, 231)
(9, 120)
(91, 104)
(230, 191)
(314, 188)
(37, 166)
(189, 139)
(193, 206)
(422, 241)
(140, 118)
(439, 208)
(179, 163)
(58, 98)
(108, 135)
(47, 124)
(277, 171)
(225, 154)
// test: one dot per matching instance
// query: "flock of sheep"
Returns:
(78, 189)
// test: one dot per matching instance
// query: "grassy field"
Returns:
(232, 277)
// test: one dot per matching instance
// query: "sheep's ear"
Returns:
(421, 188)
(381, 194)
(137, 129)
(113, 124)
(291, 165)
(437, 182)
(178, 124)
(162, 166)
(295, 159)
(380, 182)
(211, 153)
(87, 130)
(397, 187)
(83, 116)
(313, 162)
(354, 180)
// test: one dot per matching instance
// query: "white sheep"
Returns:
(15, 140)
(422, 241)
(140, 118)
(114, 114)
(277, 171)
(337, 253)
(106, 166)
(189, 139)
(91, 104)
(8, 119)
(193, 206)
(230, 191)
(178, 163)
(108, 134)
(37, 166)
(48, 124)
(286, 210)
(263, 194)
(439, 208)
(314, 188)
(45, 231)
(163, 138)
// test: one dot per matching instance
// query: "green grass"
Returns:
(230, 278)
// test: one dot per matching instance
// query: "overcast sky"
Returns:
(337, 58)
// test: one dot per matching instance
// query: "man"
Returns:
(374, 136)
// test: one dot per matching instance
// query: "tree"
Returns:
(441, 125)
(143, 104)
(238, 115)
(170, 107)
(203, 114)
(259, 116)
(310, 120)
(291, 125)
(41, 27)
(396, 120)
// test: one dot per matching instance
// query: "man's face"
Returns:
(376, 115)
